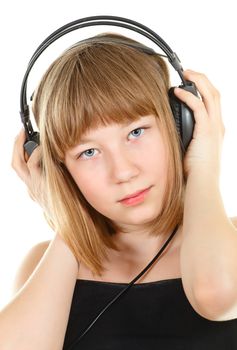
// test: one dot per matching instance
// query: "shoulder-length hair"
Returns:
(97, 82)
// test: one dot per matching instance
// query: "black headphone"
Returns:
(182, 114)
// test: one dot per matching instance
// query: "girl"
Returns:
(110, 177)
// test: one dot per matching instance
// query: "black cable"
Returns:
(125, 289)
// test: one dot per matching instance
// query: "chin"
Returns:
(143, 218)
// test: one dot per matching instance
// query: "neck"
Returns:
(140, 244)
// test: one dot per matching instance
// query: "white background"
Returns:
(202, 33)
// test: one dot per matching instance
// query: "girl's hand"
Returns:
(204, 151)
(28, 168)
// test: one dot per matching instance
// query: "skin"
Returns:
(125, 159)
(206, 146)
(209, 238)
(209, 245)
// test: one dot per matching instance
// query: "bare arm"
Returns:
(36, 318)
(28, 265)
(209, 247)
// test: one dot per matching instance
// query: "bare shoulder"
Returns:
(28, 264)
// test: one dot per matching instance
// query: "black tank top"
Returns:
(154, 315)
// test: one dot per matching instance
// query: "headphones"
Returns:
(182, 114)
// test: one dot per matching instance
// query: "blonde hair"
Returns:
(93, 83)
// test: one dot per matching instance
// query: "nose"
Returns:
(123, 166)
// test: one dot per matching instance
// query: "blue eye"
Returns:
(86, 152)
(89, 155)
(137, 130)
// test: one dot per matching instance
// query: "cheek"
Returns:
(155, 158)
(95, 194)
(86, 186)
(90, 186)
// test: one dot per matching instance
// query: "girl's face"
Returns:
(112, 162)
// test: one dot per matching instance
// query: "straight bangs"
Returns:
(91, 86)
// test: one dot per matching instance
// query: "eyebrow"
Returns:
(85, 140)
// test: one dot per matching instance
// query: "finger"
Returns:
(193, 102)
(198, 77)
(35, 158)
(20, 140)
(18, 161)
(34, 164)
(200, 112)
(210, 95)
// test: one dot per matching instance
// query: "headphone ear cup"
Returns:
(183, 116)
(176, 110)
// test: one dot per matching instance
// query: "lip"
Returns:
(134, 194)
(137, 199)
